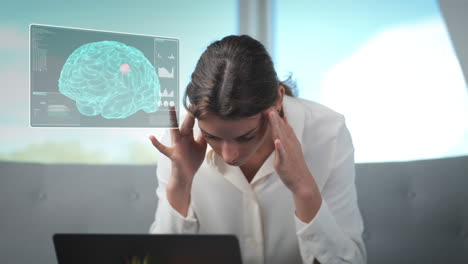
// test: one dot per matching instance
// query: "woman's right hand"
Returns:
(186, 153)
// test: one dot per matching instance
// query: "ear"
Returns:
(279, 102)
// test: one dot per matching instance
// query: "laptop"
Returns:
(146, 249)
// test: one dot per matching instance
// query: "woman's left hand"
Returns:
(292, 168)
(289, 159)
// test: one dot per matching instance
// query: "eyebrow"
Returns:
(237, 137)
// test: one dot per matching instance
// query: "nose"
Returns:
(230, 152)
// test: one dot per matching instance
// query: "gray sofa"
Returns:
(414, 212)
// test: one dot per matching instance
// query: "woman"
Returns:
(275, 170)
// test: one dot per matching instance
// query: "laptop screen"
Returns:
(146, 249)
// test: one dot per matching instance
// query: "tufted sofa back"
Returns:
(414, 212)
(38, 200)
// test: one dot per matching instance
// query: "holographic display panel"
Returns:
(89, 78)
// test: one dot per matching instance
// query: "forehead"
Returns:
(214, 125)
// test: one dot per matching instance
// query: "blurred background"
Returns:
(390, 67)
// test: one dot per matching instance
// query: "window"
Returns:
(388, 66)
(195, 29)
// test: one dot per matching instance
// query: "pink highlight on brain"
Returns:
(125, 68)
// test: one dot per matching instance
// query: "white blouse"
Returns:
(262, 213)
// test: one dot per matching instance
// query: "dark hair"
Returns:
(234, 78)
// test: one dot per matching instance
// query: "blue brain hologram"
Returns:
(111, 79)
